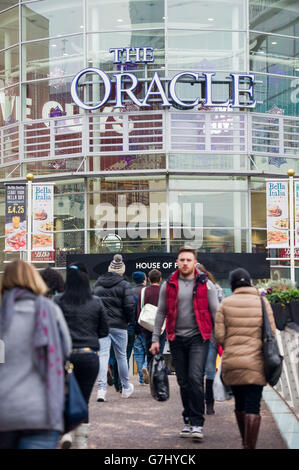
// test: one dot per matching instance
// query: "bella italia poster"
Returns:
(42, 227)
(277, 214)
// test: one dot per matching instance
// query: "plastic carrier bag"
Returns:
(159, 384)
(220, 391)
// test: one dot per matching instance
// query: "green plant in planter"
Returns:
(282, 296)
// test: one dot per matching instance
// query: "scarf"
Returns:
(48, 353)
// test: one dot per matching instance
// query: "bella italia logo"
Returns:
(277, 189)
(126, 83)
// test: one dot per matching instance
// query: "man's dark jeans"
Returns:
(189, 358)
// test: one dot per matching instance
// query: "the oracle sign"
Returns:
(123, 56)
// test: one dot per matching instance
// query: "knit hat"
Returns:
(138, 277)
(117, 265)
(239, 278)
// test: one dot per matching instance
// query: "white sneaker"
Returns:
(101, 395)
(197, 433)
(81, 436)
(66, 441)
(127, 392)
(186, 431)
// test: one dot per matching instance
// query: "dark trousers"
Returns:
(189, 358)
(86, 369)
(248, 398)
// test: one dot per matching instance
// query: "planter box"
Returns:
(294, 311)
(281, 314)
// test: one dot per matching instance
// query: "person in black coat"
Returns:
(117, 297)
(85, 316)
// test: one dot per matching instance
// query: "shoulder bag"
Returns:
(75, 406)
(148, 314)
(272, 358)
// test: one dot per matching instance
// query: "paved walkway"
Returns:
(140, 422)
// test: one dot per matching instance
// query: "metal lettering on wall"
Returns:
(123, 56)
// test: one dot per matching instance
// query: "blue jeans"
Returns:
(140, 355)
(210, 368)
(29, 439)
(119, 340)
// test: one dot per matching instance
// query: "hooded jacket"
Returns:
(118, 299)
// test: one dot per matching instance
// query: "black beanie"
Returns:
(239, 278)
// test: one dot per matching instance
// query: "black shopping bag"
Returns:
(158, 378)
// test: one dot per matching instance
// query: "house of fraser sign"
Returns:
(126, 83)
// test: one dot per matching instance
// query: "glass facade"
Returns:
(156, 176)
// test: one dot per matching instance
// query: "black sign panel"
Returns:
(218, 263)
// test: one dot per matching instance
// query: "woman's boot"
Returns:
(240, 417)
(81, 436)
(252, 426)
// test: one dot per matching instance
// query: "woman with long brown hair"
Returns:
(31, 378)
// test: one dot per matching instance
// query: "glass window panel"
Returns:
(9, 106)
(199, 183)
(212, 14)
(49, 167)
(207, 162)
(258, 209)
(258, 241)
(69, 211)
(124, 14)
(208, 209)
(275, 164)
(212, 241)
(46, 98)
(128, 243)
(68, 243)
(7, 3)
(127, 162)
(49, 18)
(129, 183)
(9, 27)
(98, 46)
(69, 186)
(114, 210)
(203, 50)
(273, 54)
(277, 92)
(9, 67)
(54, 58)
(258, 184)
(274, 16)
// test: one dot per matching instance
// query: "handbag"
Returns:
(272, 358)
(75, 406)
(221, 391)
(148, 314)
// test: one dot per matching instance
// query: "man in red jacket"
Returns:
(188, 301)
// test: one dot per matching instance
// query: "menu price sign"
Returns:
(277, 214)
(15, 218)
(43, 221)
(296, 191)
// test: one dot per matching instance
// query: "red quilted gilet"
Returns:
(200, 304)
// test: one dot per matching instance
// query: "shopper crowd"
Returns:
(44, 322)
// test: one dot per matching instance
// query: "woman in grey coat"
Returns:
(32, 375)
